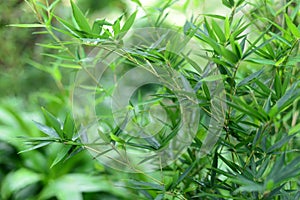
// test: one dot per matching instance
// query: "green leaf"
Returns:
(80, 18)
(246, 80)
(69, 127)
(98, 25)
(116, 27)
(227, 28)
(137, 2)
(185, 173)
(210, 42)
(247, 109)
(206, 90)
(278, 86)
(17, 180)
(248, 185)
(61, 154)
(261, 61)
(63, 187)
(69, 27)
(46, 129)
(209, 30)
(193, 63)
(53, 122)
(294, 130)
(41, 144)
(229, 55)
(218, 31)
(117, 139)
(127, 25)
(280, 143)
(228, 3)
(286, 100)
(292, 27)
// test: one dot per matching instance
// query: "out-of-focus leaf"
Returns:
(137, 2)
(17, 180)
(28, 25)
(63, 187)
(214, 78)
(145, 185)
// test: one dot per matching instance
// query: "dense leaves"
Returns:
(256, 58)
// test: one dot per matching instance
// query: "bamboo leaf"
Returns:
(129, 22)
(46, 129)
(61, 154)
(292, 27)
(53, 122)
(80, 18)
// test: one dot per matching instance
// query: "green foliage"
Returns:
(257, 153)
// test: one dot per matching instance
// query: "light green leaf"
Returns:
(294, 130)
(28, 25)
(72, 30)
(116, 27)
(80, 18)
(63, 187)
(116, 138)
(292, 27)
(129, 22)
